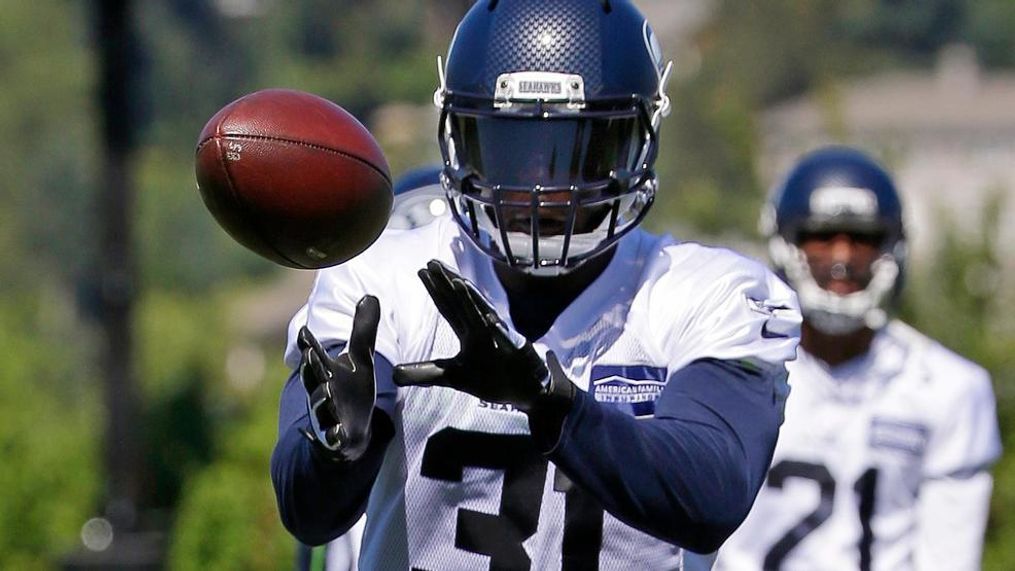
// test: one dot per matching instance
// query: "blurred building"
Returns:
(948, 135)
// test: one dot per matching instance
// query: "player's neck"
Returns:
(835, 349)
(536, 301)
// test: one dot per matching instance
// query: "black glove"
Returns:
(341, 391)
(494, 364)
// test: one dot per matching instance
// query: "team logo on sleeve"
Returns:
(631, 388)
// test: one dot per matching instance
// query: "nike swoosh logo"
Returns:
(766, 334)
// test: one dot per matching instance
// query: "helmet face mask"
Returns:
(830, 192)
(835, 313)
(548, 162)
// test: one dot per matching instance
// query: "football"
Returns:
(294, 177)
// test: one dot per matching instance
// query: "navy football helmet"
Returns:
(837, 189)
(549, 127)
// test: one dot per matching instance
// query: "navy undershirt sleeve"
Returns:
(688, 475)
(319, 499)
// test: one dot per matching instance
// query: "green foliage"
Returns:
(916, 27)
(958, 295)
(229, 521)
(324, 50)
(709, 151)
(959, 298)
(208, 441)
(188, 397)
(228, 518)
(49, 479)
(989, 27)
(999, 554)
(45, 134)
(707, 177)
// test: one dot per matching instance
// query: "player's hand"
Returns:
(495, 364)
(341, 391)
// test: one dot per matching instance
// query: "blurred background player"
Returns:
(572, 392)
(419, 200)
(883, 461)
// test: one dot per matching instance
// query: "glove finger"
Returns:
(441, 294)
(364, 331)
(334, 437)
(438, 288)
(310, 379)
(466, 294)
(473, 313)
(313, 371)
(306, 340)
(481, 304)
(442, 269)
(303, 338)
(462, 293)
(421, 374)
(490, 320)
(443, 278)
(319, 403)
(440, 276)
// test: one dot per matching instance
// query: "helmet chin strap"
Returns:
(832, 313)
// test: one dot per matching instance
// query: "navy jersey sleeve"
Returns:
(319, 499)
(688, 475)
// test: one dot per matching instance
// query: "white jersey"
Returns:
(882, 464)
(457, 464)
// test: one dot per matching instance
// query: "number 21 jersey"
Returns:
(881, 464)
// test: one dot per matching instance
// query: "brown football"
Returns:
(294, 177)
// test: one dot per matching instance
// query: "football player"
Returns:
(535, 382)
(883, 461)
(419, 200)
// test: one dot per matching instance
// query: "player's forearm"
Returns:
(688, 476)
(319, 499)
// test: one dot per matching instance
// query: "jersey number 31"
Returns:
(500, 536)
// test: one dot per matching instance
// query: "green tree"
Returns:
(49, 481)
(46, 136)
(959, 298)
(228, 518)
